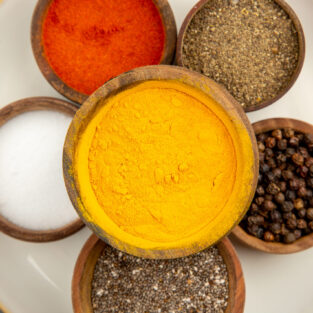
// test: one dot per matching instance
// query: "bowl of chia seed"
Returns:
(108, 280)
(255, 49)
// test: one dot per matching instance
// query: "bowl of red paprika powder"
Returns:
(80, 45)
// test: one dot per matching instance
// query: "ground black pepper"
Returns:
(284, 195)
(124, 283)
(249, 46)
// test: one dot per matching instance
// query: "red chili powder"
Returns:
(87, 42)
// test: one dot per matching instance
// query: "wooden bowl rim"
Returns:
(301, 41)
(6, 114)
(272, 247)
(168, 21)
(84, 268)
(166, 72)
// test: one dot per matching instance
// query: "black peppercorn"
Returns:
(287, 174)
(253, 229)
(294, 141)
(309, 162)
(260, 233)
(302, 192)
(281, 158)
(264, 168)
(289, 132)
(290, 195)
(262, 137)
(271, 163)
(277, 172)
(287, 206)
(268, 236)
(270, 142)
(275, 228)
(308, 139)
(294, 184)
(269, 177)
(268, 153)
(272, 189)
(279, 198)
(297, 158)
(259, 200)
(309, 213)
(301, 224)
(297, 233)
(261, 157)
(298, 203)
(282, 186)
(277, 134)
(304, 152)
(290, 238)
(269, 205)
(303, 171)
(290, 152)
(311, 225)
(260, 191)
(291, 223)
(302, 213)
(276, 216)
(282, 144)
(261, 146)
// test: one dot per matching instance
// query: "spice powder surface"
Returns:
(89, 42)
(157, 164)
(124, 283)
(249, 46)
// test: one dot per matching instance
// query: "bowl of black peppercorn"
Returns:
(280, 217)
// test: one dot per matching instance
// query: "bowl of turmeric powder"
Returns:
(160, 162)
(80, 44)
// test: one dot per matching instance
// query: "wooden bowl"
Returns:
(86, 262)
(273, 247)
(9, 112)
(39, 14)
(212, 90)
(293, 17)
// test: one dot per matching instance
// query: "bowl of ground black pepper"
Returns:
(107, 280)
(280, 218)
(79, 45)
(255, 49)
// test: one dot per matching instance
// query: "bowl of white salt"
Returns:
(34, 205)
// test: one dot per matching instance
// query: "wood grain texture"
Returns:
(39, 14)
(86, 112)
(273, 247)
(301, 40)
(9, 112)
(85, 264)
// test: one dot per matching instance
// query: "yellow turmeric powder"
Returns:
(158, 164)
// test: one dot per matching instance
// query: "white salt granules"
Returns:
(32, 190)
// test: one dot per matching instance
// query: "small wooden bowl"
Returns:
(86, 262)
(158, 72)
(301, 39)
(39, 14)
(271, 247)
(9, 112)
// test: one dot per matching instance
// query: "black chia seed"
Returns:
(124, 283)
(249, 46)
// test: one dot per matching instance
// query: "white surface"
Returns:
(31, 168)
(36, 278)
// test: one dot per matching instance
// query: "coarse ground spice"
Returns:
(124, 283)
(89, 42)
(249, 46)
